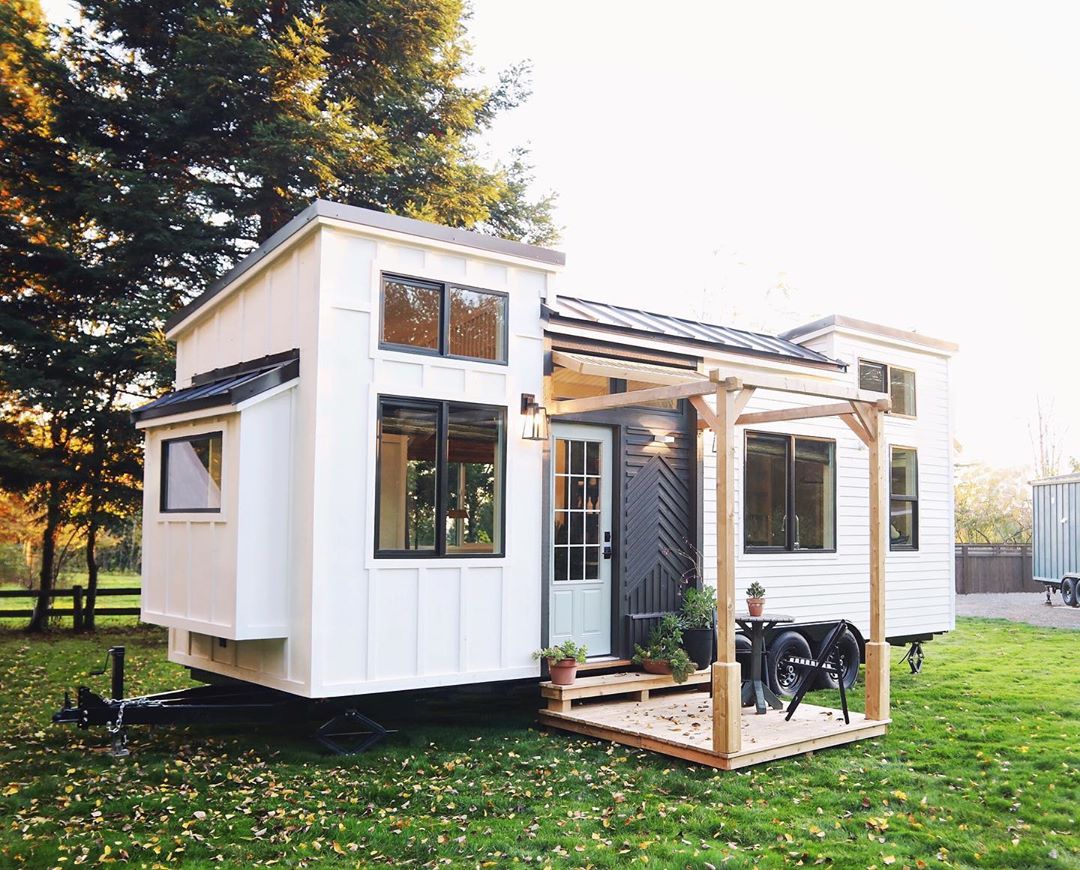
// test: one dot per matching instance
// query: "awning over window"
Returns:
(224, 388)
(629, 370)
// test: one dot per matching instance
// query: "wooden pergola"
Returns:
(862, 411)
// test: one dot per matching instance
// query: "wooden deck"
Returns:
(680, 724)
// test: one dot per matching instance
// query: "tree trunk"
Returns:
(40, 619)
(91, 570)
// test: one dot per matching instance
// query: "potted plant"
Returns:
(698, 621)
(755, 598)
(664, 654)
(563, 660)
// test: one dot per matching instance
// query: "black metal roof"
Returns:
(225, 387)
(371, 218)
(664, 326)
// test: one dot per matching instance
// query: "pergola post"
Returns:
(726, 677)
(877, 648)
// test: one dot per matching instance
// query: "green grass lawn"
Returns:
(980, 769)
(106, 579)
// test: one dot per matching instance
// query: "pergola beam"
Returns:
(805, 413)
(803, 386)
(635, 397)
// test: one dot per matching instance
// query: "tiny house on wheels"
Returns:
(400, 455)
(1055, 536)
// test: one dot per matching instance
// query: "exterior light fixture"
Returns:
(663, 439)
(536, 428)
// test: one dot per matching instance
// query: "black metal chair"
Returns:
(824, 663)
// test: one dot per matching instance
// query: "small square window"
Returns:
(411, 313)
(897, 383)
(477, 324)
(873, 377)
(191, 474)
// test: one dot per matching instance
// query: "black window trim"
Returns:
(789, 506)
(163, 496)
(442, 409)
(444, 287)
(888, 383)
(913, 500)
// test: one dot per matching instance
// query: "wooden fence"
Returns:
(77, 611)
(994, 568)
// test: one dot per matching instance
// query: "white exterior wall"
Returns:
(386, 624)
(812, 586)
(273, 310)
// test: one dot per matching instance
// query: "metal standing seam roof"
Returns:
(665, 326)
(222, 392)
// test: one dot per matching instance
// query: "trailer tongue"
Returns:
(345, 731)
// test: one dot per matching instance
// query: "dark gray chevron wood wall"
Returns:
(658, 522)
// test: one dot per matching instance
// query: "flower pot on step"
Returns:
(699, 644)
(564, 672)
(654, 666)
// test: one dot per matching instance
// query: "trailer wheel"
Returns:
(783, 676)
(1069, 592)
(848, 650)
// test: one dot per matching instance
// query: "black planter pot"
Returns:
(700, 643)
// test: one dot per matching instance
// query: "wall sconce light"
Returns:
(536, 422)
(663, 439)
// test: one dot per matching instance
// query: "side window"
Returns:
(904, 500)
(443, 319)
(191, 474)
(898, 383)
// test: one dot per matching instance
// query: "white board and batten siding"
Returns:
(829, 585)
(357, 624)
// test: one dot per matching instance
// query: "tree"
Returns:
(993, 505)
(1046, 440)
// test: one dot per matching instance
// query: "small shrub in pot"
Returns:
(664, 654)
(563, 660)
(698, 620)
(755, 599)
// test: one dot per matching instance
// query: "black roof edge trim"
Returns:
(274, 377)
(371, 218)
(699, 342)
(239, 368)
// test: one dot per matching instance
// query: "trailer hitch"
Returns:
(346, 732)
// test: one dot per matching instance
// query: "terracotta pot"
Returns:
(654, 666)
(564, 672)
(756, 606)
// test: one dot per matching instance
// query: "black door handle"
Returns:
(607, 552)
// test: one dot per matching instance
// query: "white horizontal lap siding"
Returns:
(389, 624)
(811, 586)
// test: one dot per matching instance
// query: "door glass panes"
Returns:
(902, 391)
(578, 536)
(411, 313)
(766, 490)
(815, 469)
(408, 452)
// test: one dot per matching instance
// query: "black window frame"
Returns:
(163, 496)
(888, 384)
(913, 500)
(442, 483)
(789, 504)
(445, 287)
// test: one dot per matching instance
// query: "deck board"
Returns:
(681, 725)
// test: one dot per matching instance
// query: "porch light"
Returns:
(663, 438)
(536, 428)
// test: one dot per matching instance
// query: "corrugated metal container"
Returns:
(1055, 516)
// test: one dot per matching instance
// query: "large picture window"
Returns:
(898, 382)
(440, 479)
(191, 474)
(904, 500)
(443, 319)
(789, 493)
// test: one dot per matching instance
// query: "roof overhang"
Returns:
(222, 391)
(853, 326)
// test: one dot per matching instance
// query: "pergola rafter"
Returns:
(861, 410)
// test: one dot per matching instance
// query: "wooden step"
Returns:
(633, 683)
(603, 664)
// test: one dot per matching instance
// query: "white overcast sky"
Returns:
(914, 164)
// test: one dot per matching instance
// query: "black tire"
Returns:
(848, 650)
(742, 655)
(1069, 592)
(784, 678)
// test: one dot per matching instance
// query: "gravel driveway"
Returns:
(1029, 607)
